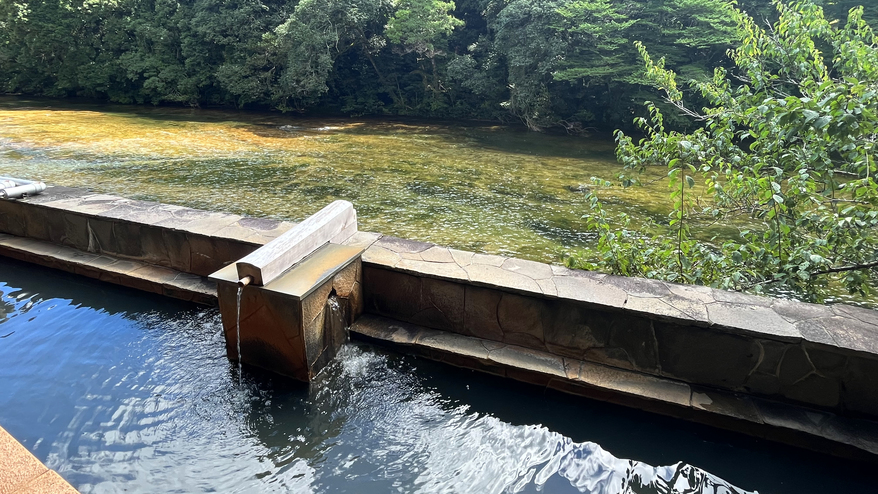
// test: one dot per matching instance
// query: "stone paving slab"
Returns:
(801, 426)
(22, 473)
(133, 274)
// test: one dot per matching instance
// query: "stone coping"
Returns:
(256, 231)
(805, 427)
(843, 326)
(22, 473)
(307, 275)
(133, 274)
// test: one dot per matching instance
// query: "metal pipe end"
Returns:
(245, 281)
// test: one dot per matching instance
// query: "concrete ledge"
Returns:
(22, 473)
(816, 355)
(133, 274)
(800, 426)
(183, 239)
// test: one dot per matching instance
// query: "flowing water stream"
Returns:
(122, 391)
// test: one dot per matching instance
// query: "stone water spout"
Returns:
(298, 294)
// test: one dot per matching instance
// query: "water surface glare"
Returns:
(125, 392)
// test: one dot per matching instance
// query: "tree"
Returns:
(786, 151)
(423, 26)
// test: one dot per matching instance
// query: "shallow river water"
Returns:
(485, 188)
(120, 391)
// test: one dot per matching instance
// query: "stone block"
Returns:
(632, 383)
(12, 219)
(177, 249)
(90, 234)
(152, 244)
(791, 417)
(356, 303)
(315, 334)
(288, 326)
(392, 294)
(724, 403)
(313, 304)
(207, 255)
(486, 274)
(772, 352)
(795, 366)
(534, 270)
(861, 386)
(346, 280)
(37, 223)
(852, 332)
(529, 360)
(748, 316)
(636, 337)
(441, 305)
(480, 313)
(576, 329)
(590, 290)
(522, 320)
(127, 237)
(762, 384)
(814, 390)
(453, 344)
(704, 356)
(827, 361)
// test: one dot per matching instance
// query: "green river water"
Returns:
(485, 188)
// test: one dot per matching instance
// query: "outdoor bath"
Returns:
(175, 406)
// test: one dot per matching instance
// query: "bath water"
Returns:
(122, 391)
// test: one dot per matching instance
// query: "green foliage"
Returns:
(786, 151)
(546, 63)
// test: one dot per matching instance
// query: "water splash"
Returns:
(238, 329)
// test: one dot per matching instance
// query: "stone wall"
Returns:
(820, 356)
(184, 239)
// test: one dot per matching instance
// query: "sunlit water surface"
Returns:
(478, 187)
(124, 392)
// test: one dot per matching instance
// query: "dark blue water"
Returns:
(121, 391)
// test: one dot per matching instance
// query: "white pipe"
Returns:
(33, 188)
(6, 184)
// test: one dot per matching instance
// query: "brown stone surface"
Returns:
(286, 326)
(21, 472)
(133, 274)
(705, 356)
(426, 301)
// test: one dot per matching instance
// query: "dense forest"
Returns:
(545, 63)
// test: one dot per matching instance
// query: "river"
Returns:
(485, 188)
